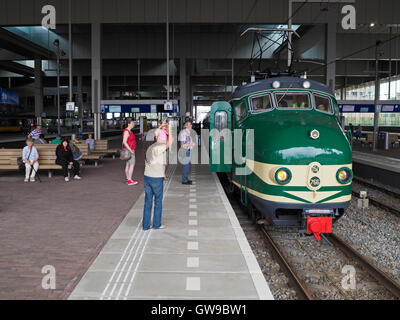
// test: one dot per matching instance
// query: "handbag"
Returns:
(124, 154)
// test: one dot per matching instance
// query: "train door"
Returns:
(221, 137)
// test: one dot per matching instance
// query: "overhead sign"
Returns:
(168, 106)
(114, 109)
(8, 97)
(70, 106)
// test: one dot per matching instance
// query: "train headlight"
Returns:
(344, 175)
(283, 176)
(276, 84)
(306, 84)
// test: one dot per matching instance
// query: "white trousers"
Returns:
(28, 170)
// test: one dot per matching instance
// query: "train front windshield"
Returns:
(293, 101)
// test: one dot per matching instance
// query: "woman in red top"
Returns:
(129, 143)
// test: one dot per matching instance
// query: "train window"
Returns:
(322, 104)
(240, 111)
(221, 120)
(293, 100)
(261, 103)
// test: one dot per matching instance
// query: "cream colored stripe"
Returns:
(307, 196)
(266, 172)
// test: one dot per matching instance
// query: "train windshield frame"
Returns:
(261, 103)
(283, 98)
(320, 106)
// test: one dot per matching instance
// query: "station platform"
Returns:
(202, 254)
(378, 167)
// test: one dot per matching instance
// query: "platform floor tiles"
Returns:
(202, 254)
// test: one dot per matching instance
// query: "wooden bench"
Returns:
(393, 139)
(47, 159)
(86, 154)
(101, 147)
(83, 147)
(369, 141)
(8, 158)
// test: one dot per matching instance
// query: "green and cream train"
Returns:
(295, 161)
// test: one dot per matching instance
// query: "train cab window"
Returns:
(293, 101)
(221, 120)
(261, 103)
(322, 104)
(240, 111)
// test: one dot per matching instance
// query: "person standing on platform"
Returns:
(155, 156)
(129, 143)
(30, 157)
(66, 158)
(187, 144)
(163, 138)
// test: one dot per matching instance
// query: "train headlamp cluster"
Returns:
(283, 176)
(344, 175)
(306, 84)
(276, 84)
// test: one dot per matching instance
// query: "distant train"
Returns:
(301, 171)
(15, 124)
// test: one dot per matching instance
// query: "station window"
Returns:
(221, 120)
(261, 103)
(240, 111)
(293, 101)
(322, 104)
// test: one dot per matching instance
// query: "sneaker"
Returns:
(32, 180)
(26, 180)
(160, 227)
(131, 182)
(187, 182)
(77, 177)
(66, 179)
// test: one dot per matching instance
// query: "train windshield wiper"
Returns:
(291, 85)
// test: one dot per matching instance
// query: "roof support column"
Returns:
(330, 50)
(80, 102)
(38, 91)
(182, 88)
(96, 78)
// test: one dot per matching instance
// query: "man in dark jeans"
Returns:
(187, 144)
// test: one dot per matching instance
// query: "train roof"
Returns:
(286, 82)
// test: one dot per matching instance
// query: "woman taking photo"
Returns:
(65, 158)
(129, 143)
(30, 157)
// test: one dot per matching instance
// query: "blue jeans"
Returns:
(186, 167)
(153, 187)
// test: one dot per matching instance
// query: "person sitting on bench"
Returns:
(30, 157)
(65, 158)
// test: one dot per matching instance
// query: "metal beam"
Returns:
(19, 45)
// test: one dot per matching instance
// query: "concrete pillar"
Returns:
(182, 87)
(330, 49)
(96, 77)
(80, 102)
(38, 91)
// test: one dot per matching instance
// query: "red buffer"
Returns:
(318, 225)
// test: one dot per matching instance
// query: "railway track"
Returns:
(297, 281)
(304, 293)
(379, 204)
(300, 287)
(380, 276)
(376, 187)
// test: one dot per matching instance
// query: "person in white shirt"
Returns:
(30, 157)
